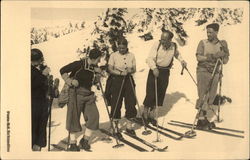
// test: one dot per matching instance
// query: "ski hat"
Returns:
(214, 26)
(94, 53)
(36, 54)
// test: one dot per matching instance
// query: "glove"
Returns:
(74, 83)
(46, 71)
(66, 78)
(156, 72)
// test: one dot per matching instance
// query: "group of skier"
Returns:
(81, 75)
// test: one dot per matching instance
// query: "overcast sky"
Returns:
(70, 13)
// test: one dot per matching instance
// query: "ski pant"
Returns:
(39, 109)
(162, 84)
(203, 80)
(81, 100)
(108, 90)
(127, 93)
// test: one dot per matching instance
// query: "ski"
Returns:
(210, 131)
(218, 128)
(154, 147)
(170, 130)
(161, 132)
(124, 141)
(57, 147)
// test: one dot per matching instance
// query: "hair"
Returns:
(36, 54)
(171, 35)
(123, 41)
(214, 26)
(94, 53)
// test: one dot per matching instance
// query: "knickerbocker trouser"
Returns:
(81, 100)
(203, 79)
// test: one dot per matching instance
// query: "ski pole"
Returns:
(53, 94)
(156, 107)
(192, 133)
(189, 74)
(50, 100)
(220, 85)
(145, 132)
(111, 121)
(50, 106)
(119, 95)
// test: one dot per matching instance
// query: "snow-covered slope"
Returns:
(180, 97)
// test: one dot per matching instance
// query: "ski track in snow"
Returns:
(181, 93)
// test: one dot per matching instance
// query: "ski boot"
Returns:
(203, 124)
(117, 132)
(73, 148)
(131, 132)
(84, 144)
(152, 121)
(212, 125)
(118, 135)
(36, 148)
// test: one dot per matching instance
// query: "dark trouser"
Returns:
(108, 90)
(81, 100)
(162, 84)
(39, 121)
(126, 93)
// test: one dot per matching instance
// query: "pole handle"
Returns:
(182, 70)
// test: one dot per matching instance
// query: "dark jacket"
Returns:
(81, 71)
(39, 84)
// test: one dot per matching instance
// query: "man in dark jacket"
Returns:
(39, 101)
(80, 76)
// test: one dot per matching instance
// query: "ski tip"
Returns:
(165, 148)
(118, 146)
(190, 134)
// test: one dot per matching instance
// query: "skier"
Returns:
(208, 52)
(81, 98)
(160, 61)
(121, 65)
(39, 101)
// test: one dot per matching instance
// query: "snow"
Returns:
(180, 97)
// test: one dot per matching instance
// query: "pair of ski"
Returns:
(163, 130)
(154, 147)
(216, 130)
(136, 147)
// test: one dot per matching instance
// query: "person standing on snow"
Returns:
(208, 52)
(39, 100)
(121, 65)
(160, 61)
(81, 98)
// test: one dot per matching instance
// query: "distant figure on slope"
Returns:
(208, 52)
(160, 61)
(82, 76)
